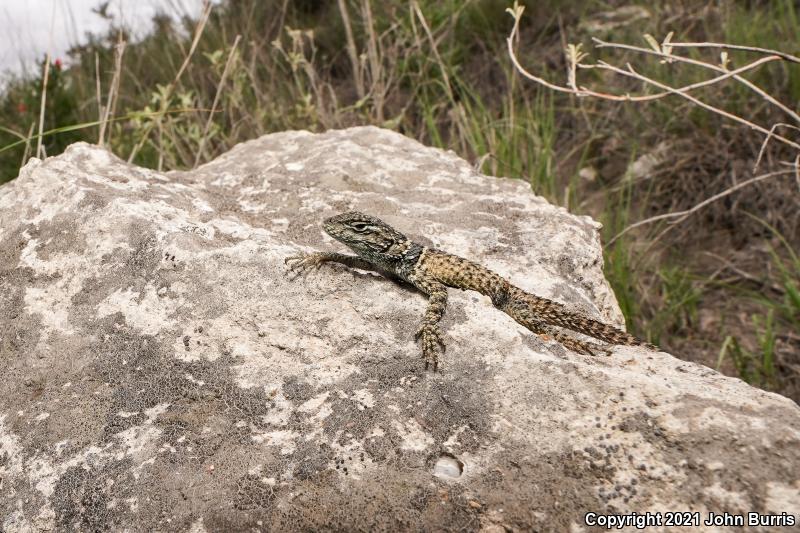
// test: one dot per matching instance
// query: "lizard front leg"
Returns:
(300, 263)
(429, 332)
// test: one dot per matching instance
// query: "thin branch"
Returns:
(516, 12)
(42, 104)
(98, 93)
(710, 66)
(682, 215)
(693, 86)
(224, 76)
(766, 141)
(27, 142)
(783, 55)
(435, 50)
(376, 71)
(633, 74)
(664, 50)
(358, 74)
(797, 170)
(574, 57)
(113, 92)
(198, 32)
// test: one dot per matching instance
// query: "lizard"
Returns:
(381, 248)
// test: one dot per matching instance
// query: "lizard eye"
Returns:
(359, 226)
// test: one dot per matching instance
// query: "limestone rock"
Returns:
(161, 372)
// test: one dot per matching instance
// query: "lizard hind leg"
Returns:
(576, 345)
(520, 311)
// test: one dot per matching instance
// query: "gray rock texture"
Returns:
(160, 372)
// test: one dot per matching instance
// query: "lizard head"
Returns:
(366, 235)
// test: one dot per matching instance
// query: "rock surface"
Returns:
(160, 371)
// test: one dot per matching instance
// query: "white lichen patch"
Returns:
(41, 470)
(50, 305)
(49, 210)
(136, 440)
(60, 446)
(314, 403)
(413, 437)
(713, 417)
(285, 439)
(240, 230)
(363, 398)
(43, 473)
(782, 497)
(10, 448)
(192, 379)
(202, 206)
(727, 499)
(281, 409)
(281, 224)
(198, 526)
(228, 180)
(452, 440)
(147, 312)
(272, 352)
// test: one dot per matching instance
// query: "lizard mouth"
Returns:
(332, 229)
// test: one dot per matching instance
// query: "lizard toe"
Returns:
(432, 344)
(302, 263)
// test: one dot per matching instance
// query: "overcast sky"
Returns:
(29, 28)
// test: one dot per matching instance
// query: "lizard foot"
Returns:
(301, 263)
(432, 344)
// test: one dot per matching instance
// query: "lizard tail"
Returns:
(530, 310)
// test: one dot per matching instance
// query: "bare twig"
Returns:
(447, 87)
(198, 32)
(113, 92)
(98, 93)
(358, 73)
(43, 102)
(728, 265)
(516, 12)
(224, 76)
(682, 215)
(783, 55)
(633, 74)
(797, 170)
(574, 56)
(663, 50)
(767, 138)
(710, 66)
(27, 151)
(378, 88)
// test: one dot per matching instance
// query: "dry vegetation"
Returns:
(713, 275)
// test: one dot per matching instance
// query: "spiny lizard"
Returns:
(384, 249)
